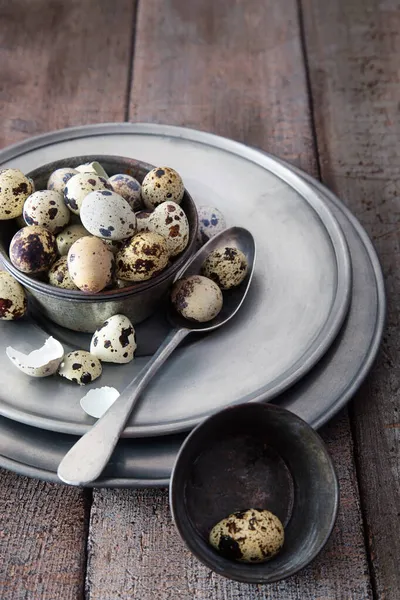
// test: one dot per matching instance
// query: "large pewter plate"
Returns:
(319, 395)
(296, 306)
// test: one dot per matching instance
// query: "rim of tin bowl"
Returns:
(129, 166)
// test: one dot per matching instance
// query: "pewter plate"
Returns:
(323, 392)
(296, 306)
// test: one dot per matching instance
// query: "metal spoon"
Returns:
(86, 460)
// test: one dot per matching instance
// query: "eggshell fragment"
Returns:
(114, 341)
(197, 298)
(97, 402)
(14, 190)
(129, 188)
(107, 215)
(143, 257)
(227, 266)
(252, 536)
(33, 249)
(169, 220)
(13, 302)
(90, 264)
(80, 367)
(162, 184)
(92, 167)
(41, 362)
(47, 209)
(59, 179)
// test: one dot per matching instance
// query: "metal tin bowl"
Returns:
(83, 312)
(255, 456)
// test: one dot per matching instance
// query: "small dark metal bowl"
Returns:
(255, 456)
(85, 312)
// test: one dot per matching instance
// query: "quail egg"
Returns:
(129, 188)
(47, 209)
(80, 367)
(161, 184)
(142, 220)
(59, 275)
(79, 186)
(68, 236)
(252, 536)
(143, 257)
(114, 341)
(226, 266)
(59, 179)
(90, 264)
(14, 190)
(107, 215)
(211, 222)
(33, 249)
(42, 362)
(13, 302)
(92, 167)
(197, 298)
(170, 221)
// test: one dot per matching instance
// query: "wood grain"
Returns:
(235, 68)
(352, 50)
(61, 64)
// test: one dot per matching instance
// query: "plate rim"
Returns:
(341, 297)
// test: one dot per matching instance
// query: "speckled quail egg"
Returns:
(68, 236)
(170, 221)
(59, 179)
(14, 190)
(161, 184)
(211, 222)
(129, 188)
(142, 220)
(33, 249)
(252, 536)
(107, 215)
(79, 186)
(80, 367)
(114, 341)
(143, 257)
(92, 167)
(90, 264)
(41, 362)
(226, 266)
(47, 209)
(197, 298)
(13, 302)
(59, 275)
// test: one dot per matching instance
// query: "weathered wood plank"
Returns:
(234, 68)
(61, 64)
(352, 51)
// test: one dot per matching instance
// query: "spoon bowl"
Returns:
(86, 460)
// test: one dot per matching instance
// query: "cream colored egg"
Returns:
(162, 184)
(197, 298)
(68, 236)
(227, 266)
(81, 367)
(59, 179)
(59, 275)
(14, 190)
(47, 209)
(114, 341)
(169, 220)
(90, 264)
(143, 257)
(33, 249)
(79, 186)
(13, 302)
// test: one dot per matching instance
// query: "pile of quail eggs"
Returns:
(90, 232)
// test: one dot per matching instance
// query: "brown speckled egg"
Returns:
(59, 275)
(81, 367)
(90, 264)
(251, 536)
(68, 236)
(59, 179)
(33, 249)
(162, 184)
(142, 220)
(47, 209)
(13, 303)
(14, 190)
(79, 186)
(226, 266)
(142, 258)
(197, 298)
(129, 188)
(170, 221)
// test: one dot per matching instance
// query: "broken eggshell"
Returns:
(41, 362)
(80, 367)
(97, 402)
(114, 341)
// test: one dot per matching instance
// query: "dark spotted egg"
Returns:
(80, 367)
(169, 220)
(129, 188)
(107, 215)
(59, 275)
(143, 257)
(162, 184)
(47, 209)
(33, 249)
(13, 303)
(59, 179)
(14, 190)
(114, 341)
(79, 186)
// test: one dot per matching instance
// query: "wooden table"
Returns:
(314, 82)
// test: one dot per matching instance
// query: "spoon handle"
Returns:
(87, 458)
